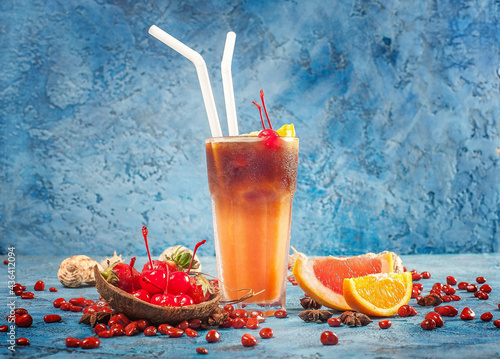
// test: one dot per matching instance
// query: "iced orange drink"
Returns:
(252, 182)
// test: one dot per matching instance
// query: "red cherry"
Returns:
(183, 300)
(329, 338)
(142, 294)
(157, 264)
(178, 283)
(154, 281)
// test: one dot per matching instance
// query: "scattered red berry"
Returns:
(252, 323)
(463, 285)
(486, 317)
(436, 318)
(142, 324)
(485, 288)
(53, 289)
(27, 295)
(163, 328)
(183, 325)
(238, 313)
(202, 350)
(407, 311)
(5, 262)
(20, 311)
(4, 328)
(428, 324)
(52, 318)
(416, 276)
(481, 280)
(280, 314)
(39, 286)
(446, 310)
(57, 303)
(329, 338)
(72, 342)
(105, 334)
(229, 308)
(191, 333)
(248, 340)
(22, 341)
(212, 336)
(90, 343)
(266, 333)
(471, 288)
(175, 332)
(239, 323)
(426, 275)
(467, 314)
(334, 322)
(151, 331)
(450, 280)
(385, 324)
(496, 323)
(131, 329)
(195, 323)
(24, 320)
(482, 295)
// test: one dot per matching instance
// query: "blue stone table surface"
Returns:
(292, 337)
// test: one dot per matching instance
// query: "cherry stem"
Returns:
(194, 253)
(145, 235)
(264, 105)
(260, 111)
(132, 262)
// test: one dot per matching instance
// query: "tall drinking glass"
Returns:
(251, 186)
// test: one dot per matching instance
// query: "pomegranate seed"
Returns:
(212, 336)
(183, 325)
(496, 323)
(151, 331)
(416, 277)
(118, 330)
(238, 323)
(52, 318)
(385, 324)
(175, 332)
(426, 275)
(428, 324)
(195, 324)
(90, 343)
(252, 323)
(450, 280)
(481, 280)
(463, 285)
(202, 350)
(100, 327)
(329, 338)
(163, 328)
(248, 340)
(483, 295)
(105, 334)
(266, 333)
(22, 341)
(39, 286)
(142, 324)
(485, 288)
(20, 311)
(467, 314)
(191, 333)
(27, 295)
(280, 314)
(471, 288)
(24, 321)
(446, 311)
(334, 322)
(486, 317)
(72, 342)
(4, 328)
(436, 318)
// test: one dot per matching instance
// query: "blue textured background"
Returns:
(396, 104)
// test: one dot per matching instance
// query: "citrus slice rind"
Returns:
(378, 294)
(322, 278)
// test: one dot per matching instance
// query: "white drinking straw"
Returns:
(227, 84)
(201, 69)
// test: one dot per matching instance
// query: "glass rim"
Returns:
(245, 139)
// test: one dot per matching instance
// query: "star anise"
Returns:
(313, 315)
(216, 318)
(430, 300)
(94, 318)
(309, 303)
(354, 319)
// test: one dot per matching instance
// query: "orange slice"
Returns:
(378, 294)
(322, 277)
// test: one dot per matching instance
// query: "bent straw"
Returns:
(227, 84)
(201, 69)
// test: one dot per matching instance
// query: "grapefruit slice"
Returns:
(378, 294)
(322, 277)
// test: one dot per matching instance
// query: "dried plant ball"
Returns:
(134, 308)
